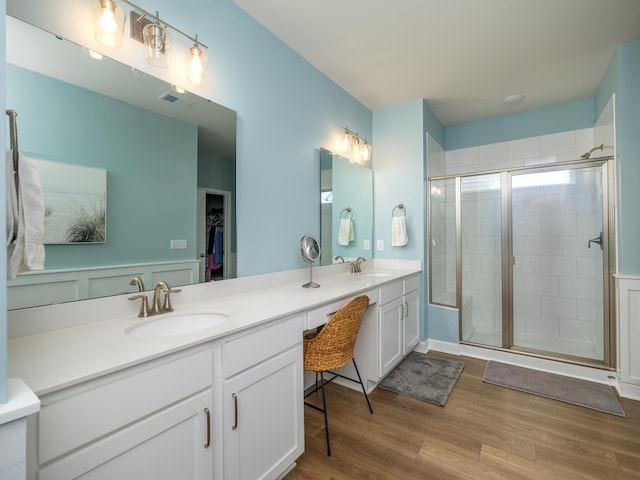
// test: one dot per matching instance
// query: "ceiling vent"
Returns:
(181, 102)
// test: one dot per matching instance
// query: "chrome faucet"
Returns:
(339, 257)
(157, 306)
(355, 266)
(137, 281)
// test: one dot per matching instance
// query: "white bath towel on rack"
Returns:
(399, 237)
(345, 232)
(28, 248)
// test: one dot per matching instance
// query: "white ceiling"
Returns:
(463, 56)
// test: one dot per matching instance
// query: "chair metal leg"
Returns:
(324, 409)
(364, 390)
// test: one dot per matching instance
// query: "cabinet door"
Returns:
(168, 445)
(264, 419)
(390, 337)
(411, 323)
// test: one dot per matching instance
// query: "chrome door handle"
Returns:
(235, 411)
(208, 418)
(597, 240)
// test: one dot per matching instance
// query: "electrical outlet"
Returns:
(366, 244)
(380, 245)
(178, 244)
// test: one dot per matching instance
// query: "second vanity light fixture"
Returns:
(109, 21)
(357, 145)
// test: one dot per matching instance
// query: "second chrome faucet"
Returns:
(158, 304)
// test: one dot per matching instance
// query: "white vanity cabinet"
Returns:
(399, 316)
(152, 421)
(262, 406)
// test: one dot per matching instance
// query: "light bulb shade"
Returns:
(157, 40)
(366, 152)
(196, 65)
(346, 142)
(108, 21)
(356, 148)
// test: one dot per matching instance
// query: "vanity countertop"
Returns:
(55, 359)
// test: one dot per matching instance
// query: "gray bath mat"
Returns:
(426, 378)
(566, 389)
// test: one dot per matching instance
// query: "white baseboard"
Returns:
(628, 390)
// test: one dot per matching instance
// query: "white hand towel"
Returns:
(28, 252)
(12, 199)
(345, 232)
(399, 236)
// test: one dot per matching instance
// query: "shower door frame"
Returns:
(608, 250)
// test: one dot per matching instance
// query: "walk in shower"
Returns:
(524, 255)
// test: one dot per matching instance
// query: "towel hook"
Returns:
(346, 213)
(400, 210)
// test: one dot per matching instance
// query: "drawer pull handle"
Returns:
(235, 409)
(208, 414)
(331, 314)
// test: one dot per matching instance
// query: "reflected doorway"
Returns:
(213, 238)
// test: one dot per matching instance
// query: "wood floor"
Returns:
(483, 432)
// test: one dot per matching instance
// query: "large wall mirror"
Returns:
(346, 209)
(169, 158)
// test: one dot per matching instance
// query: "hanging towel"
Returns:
(399, 236)
(345, 232)
(28, 250)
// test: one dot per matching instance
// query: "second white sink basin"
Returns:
(165, 325)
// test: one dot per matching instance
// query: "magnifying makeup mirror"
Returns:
(310, 251)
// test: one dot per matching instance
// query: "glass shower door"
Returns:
(481, 252)
(558, 258)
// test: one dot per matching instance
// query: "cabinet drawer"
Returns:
(411, 284)
(390, 292)
(118, 400)
(319, 316)
(167, 444)
(244, 351)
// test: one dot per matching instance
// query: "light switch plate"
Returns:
(366, 244)
(178, 244)
(380, 246)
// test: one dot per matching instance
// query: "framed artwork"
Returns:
(75, 201)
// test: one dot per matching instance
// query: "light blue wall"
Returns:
(541, 121)
(628, 157)
(146, 156)
(398, 159)
(287, 110)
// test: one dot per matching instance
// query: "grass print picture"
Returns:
(75, 199)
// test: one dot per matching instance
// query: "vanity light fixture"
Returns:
(108, 19)
(157, 39)
(357, 145)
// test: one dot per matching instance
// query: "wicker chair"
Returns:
(332, 347)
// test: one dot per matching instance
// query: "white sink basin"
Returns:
(165, 325)
(375, 274)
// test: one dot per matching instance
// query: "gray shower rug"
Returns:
(426, 378)
(558, 387)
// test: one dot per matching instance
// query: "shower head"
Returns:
(588, 154)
